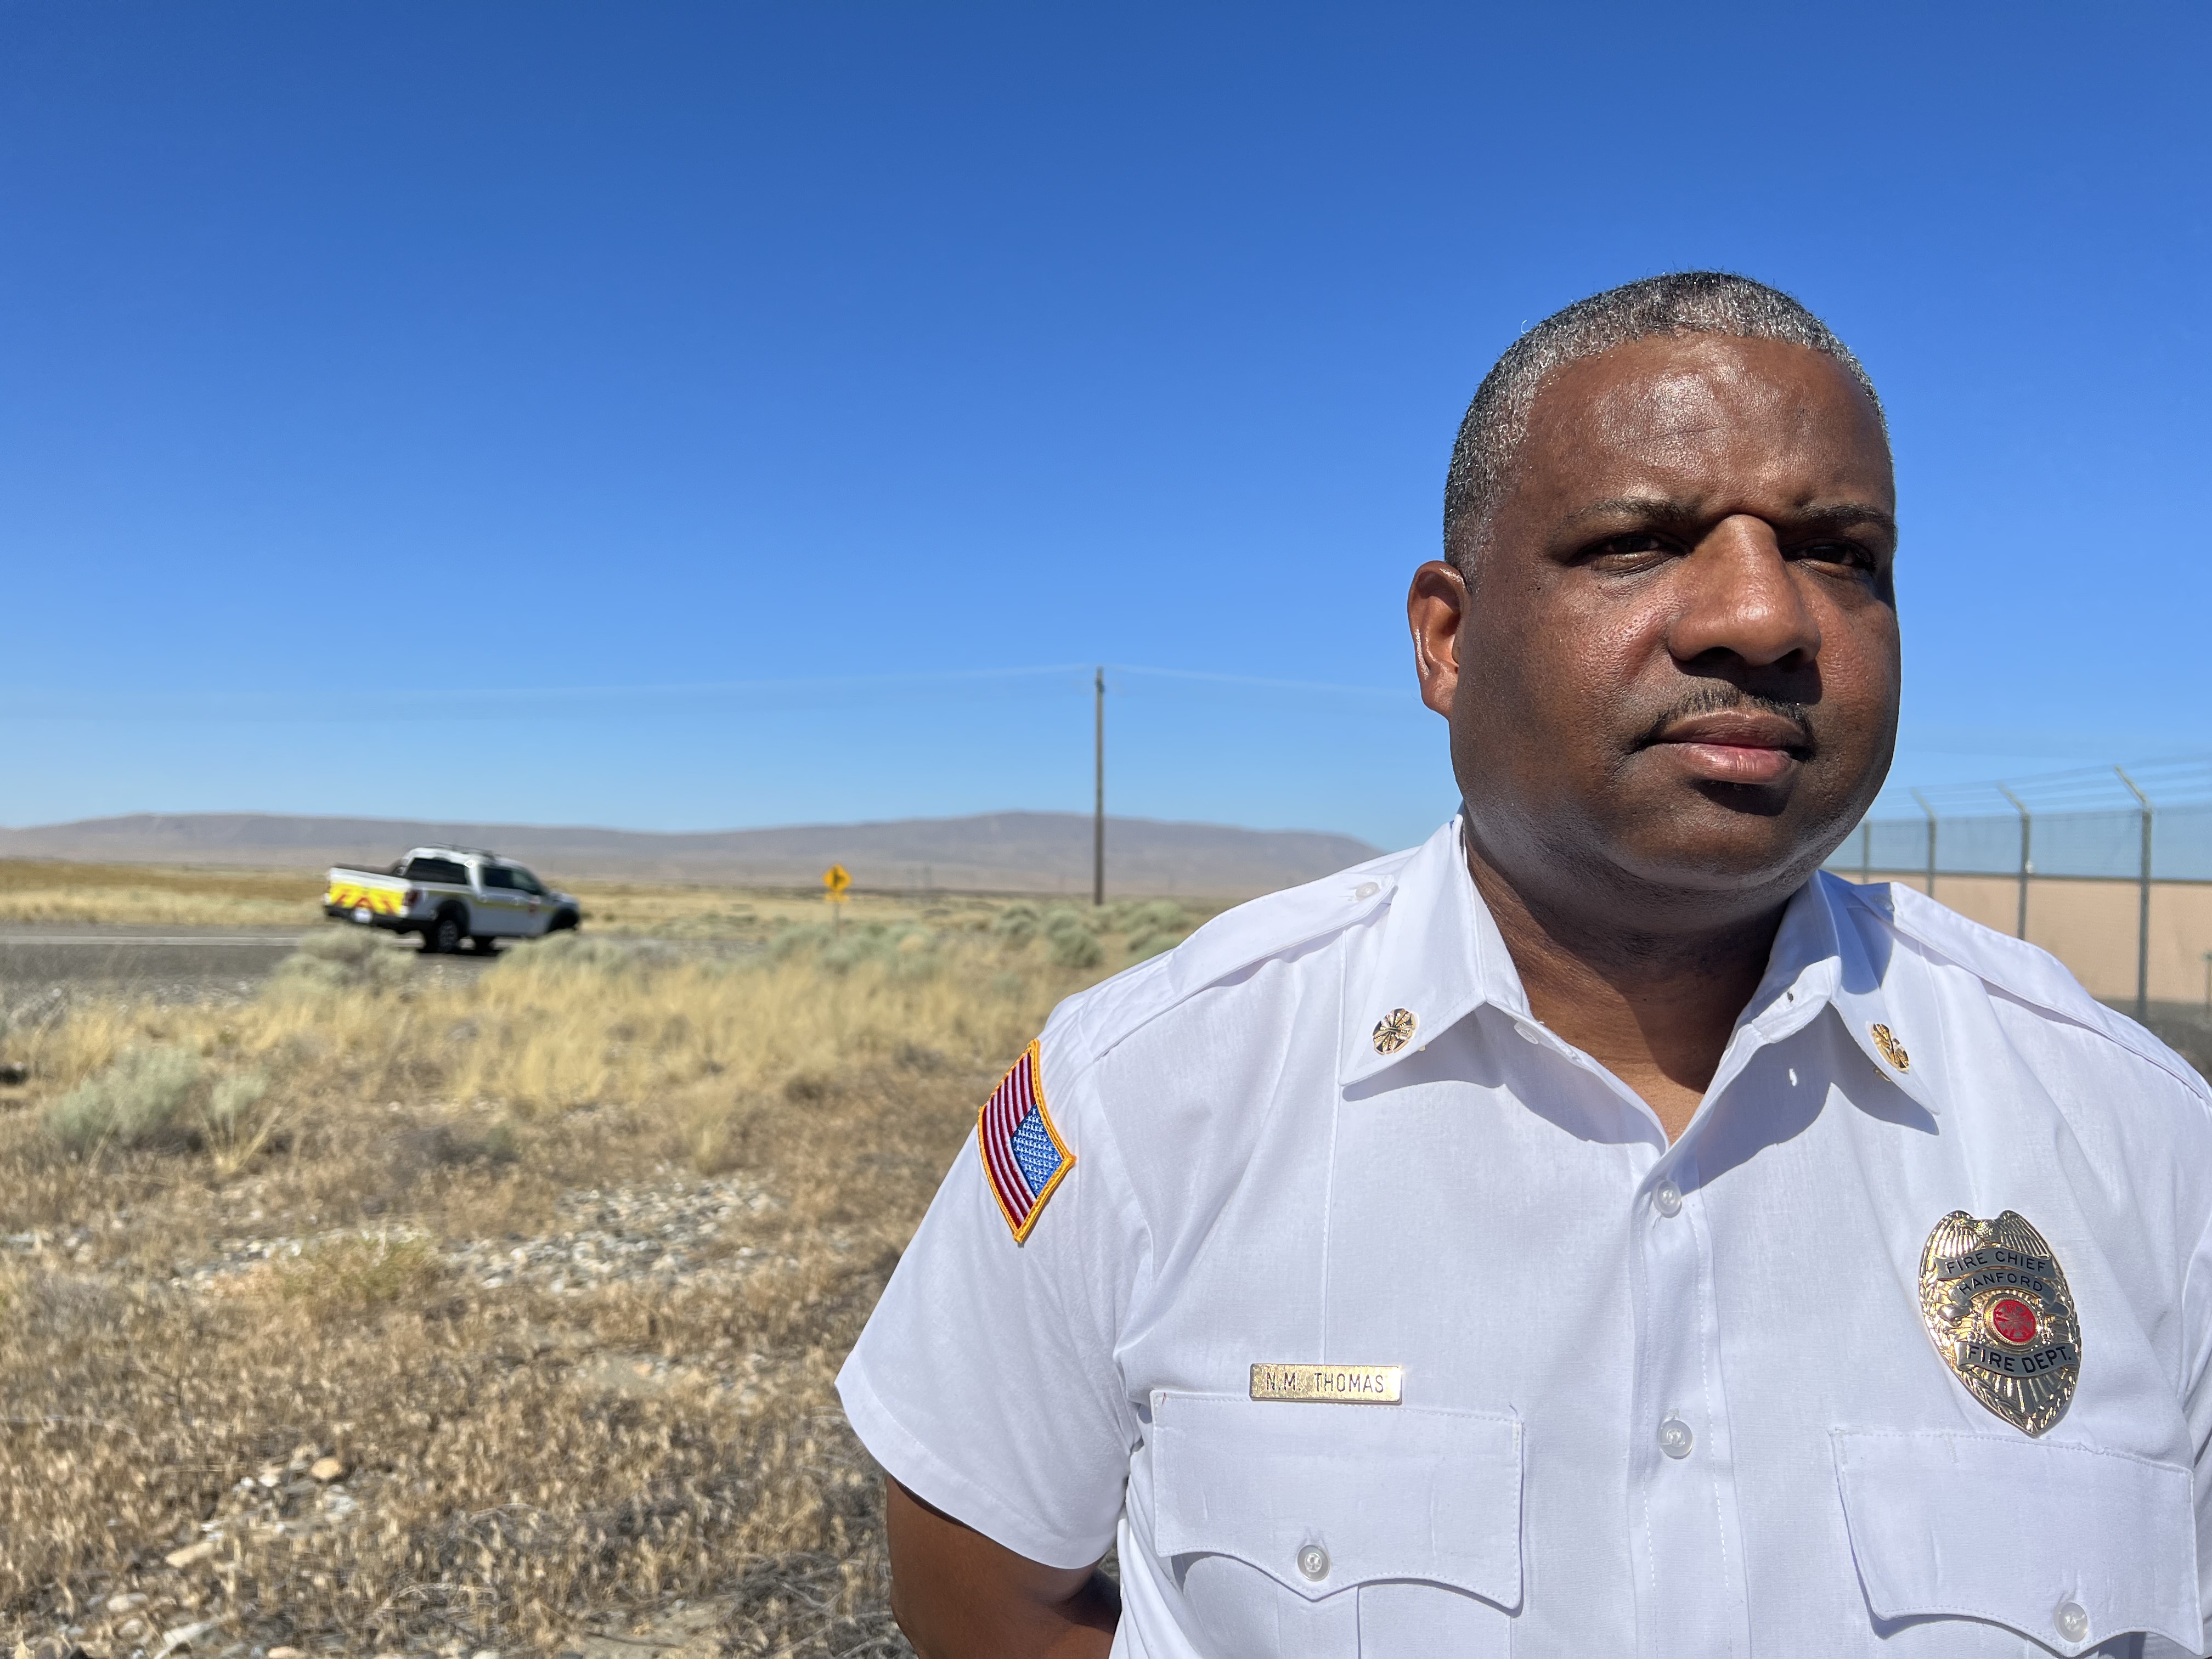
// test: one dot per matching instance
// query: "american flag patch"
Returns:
(1024, 1157)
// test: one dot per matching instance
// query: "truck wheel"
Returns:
(564, 922)
(445, 934)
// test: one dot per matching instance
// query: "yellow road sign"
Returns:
(837, 878)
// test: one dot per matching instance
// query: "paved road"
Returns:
(39, 961)
(104, 957)
(167, 964)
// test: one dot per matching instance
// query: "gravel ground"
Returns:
(623, 1234)
(619, 1235)
(40, 961)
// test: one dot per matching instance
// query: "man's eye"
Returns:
(1843, 553)
(1632, 546)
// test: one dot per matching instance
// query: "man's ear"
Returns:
(1435, 608)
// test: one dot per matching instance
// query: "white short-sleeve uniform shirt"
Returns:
(1655, 1400)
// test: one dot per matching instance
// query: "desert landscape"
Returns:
(374, 1304)
(359, 1302)
(1018, 853)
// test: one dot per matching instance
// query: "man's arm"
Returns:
(958, 1595)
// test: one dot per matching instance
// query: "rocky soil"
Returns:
(641, 1235)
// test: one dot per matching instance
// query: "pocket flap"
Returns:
(2027, 1534)
(1387, 1492)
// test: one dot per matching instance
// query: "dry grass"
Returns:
(191, 1320)
(41, 889)
(153, 894)
(675, 910)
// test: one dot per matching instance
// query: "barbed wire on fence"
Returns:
(2149, 825)
(2088, 823)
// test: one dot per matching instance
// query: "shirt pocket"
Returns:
(2068, 1546)
(1389, 1532)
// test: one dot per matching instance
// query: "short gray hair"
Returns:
(1681, 302)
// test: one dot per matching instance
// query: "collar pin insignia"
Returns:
(1395, 1030)
(1997, 1306)
(1892, 1050)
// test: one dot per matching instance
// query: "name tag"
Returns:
(1336, 1385)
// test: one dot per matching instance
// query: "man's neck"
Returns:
(1655, 1005)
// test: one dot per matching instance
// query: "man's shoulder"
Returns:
(2026, 975)
(1294, 921)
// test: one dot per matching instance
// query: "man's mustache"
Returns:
(1730, 700)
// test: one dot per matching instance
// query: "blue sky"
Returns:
(713, 399)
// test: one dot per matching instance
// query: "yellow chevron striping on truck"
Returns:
(382, 900)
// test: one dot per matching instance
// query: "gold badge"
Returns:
(1394, 1032)
(1338, 1385)
(1996, 1307)
(1892, 1050)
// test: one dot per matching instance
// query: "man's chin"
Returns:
(1732, 852)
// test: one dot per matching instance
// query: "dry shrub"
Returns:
(138, 1099)
(351, 1274)
(1150, 925)
(165, 1100)
(342, 959)
(1071, 937)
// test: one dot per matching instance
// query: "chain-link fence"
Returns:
(2109, 869)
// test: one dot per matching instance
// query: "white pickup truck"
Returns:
(451, 895)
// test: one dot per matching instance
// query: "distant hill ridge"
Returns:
(994, 852)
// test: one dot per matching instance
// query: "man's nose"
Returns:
(1742, 598)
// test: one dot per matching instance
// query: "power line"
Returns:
(310, 705)
(1394, 692)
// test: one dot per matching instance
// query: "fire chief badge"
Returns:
(1995, 1301)
(1024, 1157)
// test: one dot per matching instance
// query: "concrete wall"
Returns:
(2090, 926)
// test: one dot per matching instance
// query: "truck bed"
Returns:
(373, 891)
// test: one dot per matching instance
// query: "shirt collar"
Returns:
(1440, 956)
(1883, 992)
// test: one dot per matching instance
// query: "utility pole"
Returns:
(1098, 810)
(2026, 854)
(1931, 811)
(2142, 902)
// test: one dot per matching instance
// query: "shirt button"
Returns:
(2072, 1619)
(1313, 1563)
(1668, 1199)
(1527, 1032)
(1675, 1438)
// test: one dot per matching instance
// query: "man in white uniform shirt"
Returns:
(1595, 1232)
